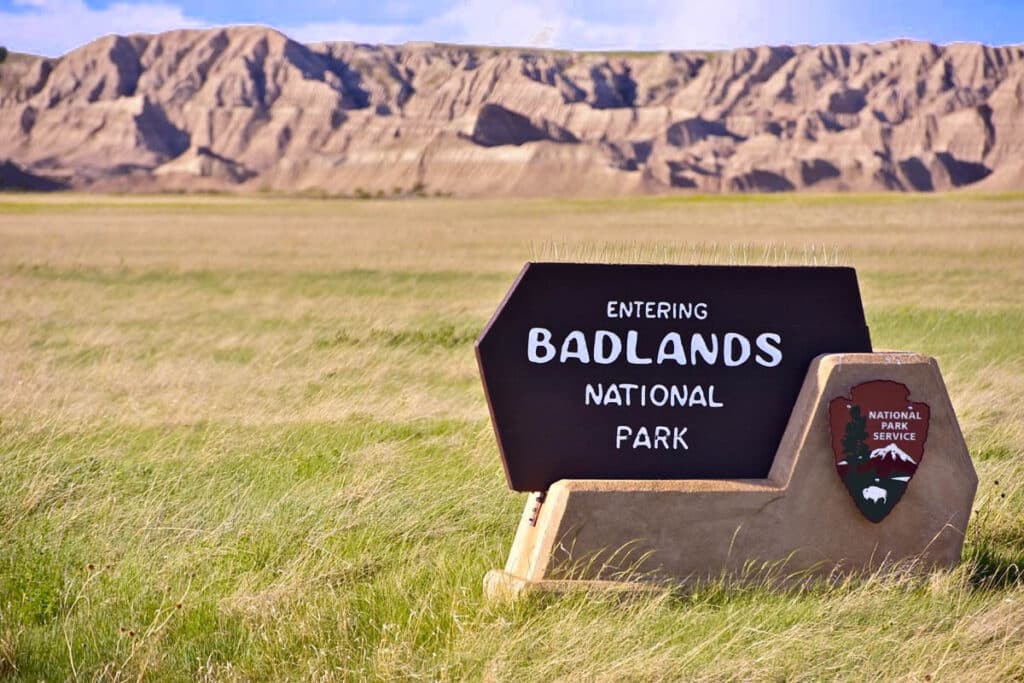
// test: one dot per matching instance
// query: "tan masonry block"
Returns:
(800, 518)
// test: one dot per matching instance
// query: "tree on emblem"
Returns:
(859, 473)
(855, 438)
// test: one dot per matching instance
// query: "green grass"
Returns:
(245, 439)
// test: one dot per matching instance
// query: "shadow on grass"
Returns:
(996, 561)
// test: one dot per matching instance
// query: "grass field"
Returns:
(245, 439)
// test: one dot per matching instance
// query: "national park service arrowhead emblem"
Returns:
(878, 437)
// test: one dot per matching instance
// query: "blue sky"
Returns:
(53, 27)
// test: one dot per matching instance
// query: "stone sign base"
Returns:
(800, 520)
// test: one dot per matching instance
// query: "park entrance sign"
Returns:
(657, 372)
(689, 422)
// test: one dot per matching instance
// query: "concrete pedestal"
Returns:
(799, 520)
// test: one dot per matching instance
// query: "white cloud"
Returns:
(324, 31)
(473, 21)
(53, 27)
(684, 24)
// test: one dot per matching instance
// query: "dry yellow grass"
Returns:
(267, 411)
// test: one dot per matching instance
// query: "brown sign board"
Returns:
(596, 371)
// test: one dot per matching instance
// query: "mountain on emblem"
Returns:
(892, 451)
(878, 438)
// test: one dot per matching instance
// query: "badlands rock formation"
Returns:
(248, 108)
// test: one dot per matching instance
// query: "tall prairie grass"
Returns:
(245, 439)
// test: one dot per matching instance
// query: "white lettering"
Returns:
(540, 338)
(575, 346)
(732, 359)
(664, 438)
(622, 433)
(699, 346)
(768, 343)
(601, 354)
(631, 354)
(606, 347)
(676, 353)
(663, 393)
